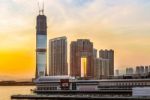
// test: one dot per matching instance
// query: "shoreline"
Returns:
(61, 97)
(17, 84)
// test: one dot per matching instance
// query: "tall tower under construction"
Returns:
(41, 44)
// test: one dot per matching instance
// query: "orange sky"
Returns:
(17, 63)
(122, 25)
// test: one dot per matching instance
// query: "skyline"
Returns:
(120, 25)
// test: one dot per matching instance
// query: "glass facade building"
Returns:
(41, 46)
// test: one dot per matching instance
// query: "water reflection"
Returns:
(7, 91)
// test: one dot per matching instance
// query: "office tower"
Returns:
(108, 54)
(129, 71)
(101, 68)
(81, 55)
(117, 72)
(41, 44)
(146, 70)
(58, 56)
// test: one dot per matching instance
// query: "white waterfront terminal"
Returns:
(67, 83)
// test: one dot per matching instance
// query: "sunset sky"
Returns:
(122, 25)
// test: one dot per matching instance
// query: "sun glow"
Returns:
(124, 26)
(83, 66)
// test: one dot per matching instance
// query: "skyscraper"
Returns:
(81, 58)
(129, 71)
(137, 69)
(146, 70)
(41, 45)
(117, 72)
(108, 54)
(95, 53)
(58, 56)
(140, 70)
(101, 68)
(105, 64)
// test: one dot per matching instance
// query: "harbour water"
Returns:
(7, 91)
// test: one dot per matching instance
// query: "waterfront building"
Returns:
(137, 70)
(58, 56)
(81, 58)
(97, 68)
(129, 71)
(117, 72)
(54, 83)
(101, 68)
(95, 53)
(41, 45)
(95, 62)
(58, 83)
(108, 54)
(142, 69)
(146, 70)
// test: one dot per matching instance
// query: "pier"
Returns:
(60, 97)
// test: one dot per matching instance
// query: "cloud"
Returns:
(122, 25)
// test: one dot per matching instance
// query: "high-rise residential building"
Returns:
(41, 45)
(146, 70)
(95, 63)
(117, 72)
(108, 54)
(95, 53)
(97, 68)
(105, 68)
(129, 71)
(58, 56)
(81, 58)
(101, 68)
(140, 70)
(137, 70)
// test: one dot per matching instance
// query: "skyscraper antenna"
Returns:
(41, 9)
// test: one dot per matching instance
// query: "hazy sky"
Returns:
(122, 25)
